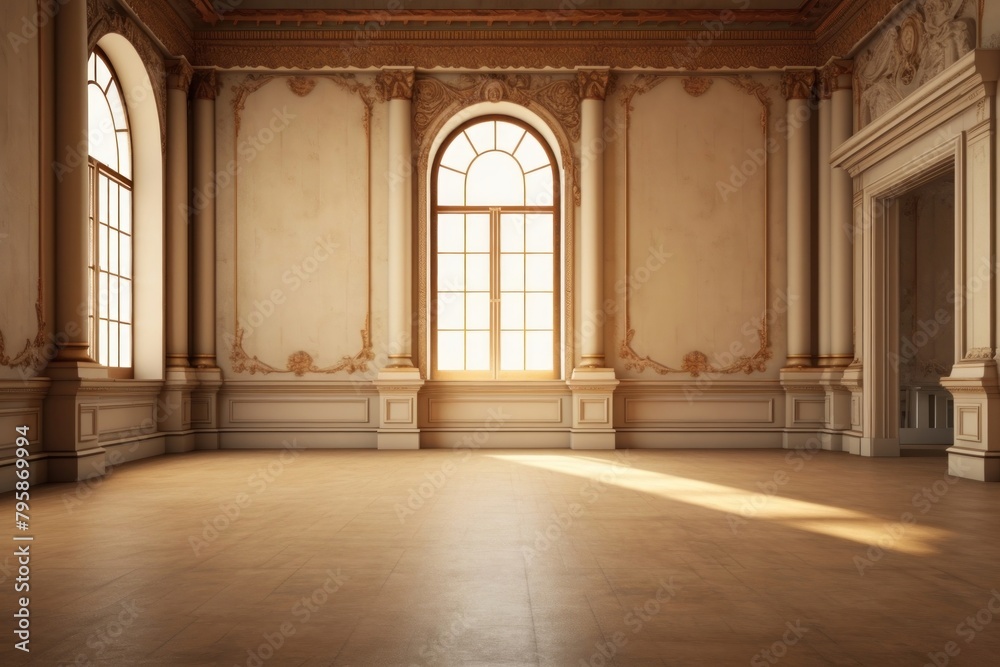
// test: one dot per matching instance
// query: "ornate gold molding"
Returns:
(395, 84)
(103, 17)
(593, 83)
(301, 85)
(798, 84)
(205, 85)
(696, 362)
(32, 352)
(179, 74)
(556, 100)
(696, 86)
(497, 49)
(299, 362)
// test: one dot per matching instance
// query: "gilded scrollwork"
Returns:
(301, 362)
(32, 355)
(696, 362)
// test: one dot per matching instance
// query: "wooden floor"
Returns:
(706, 558)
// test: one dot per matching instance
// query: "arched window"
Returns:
(110, 150)
(495, 244)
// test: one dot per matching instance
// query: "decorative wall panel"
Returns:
(695, 284)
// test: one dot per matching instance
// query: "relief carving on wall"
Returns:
(696, 86)
(32, 355)
(924, 40)
(103, 17)
(695, 363)
(301, 362)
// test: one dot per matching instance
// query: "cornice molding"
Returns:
(165, 24)
(324, 50)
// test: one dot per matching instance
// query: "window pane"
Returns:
(477, 231)
(459, 154)
(511, 272)
(102, 338)
(103, 73)
(113, 295)
(539, 187)
(125, 299)
(531, 155)
(451, 310)
(482, 136)
(451, 350)
(477, 267)
(477, 350)
(538, 310)
(451, 272)
(101, 128)
(102, 198)
(451, 232)
(126, 346)
(538, 272)
(477, 310)
(112, 344)
(512, 232)
(102, 247)
(113, 204)
(539, 232)
(508, 136)
(511, 310)
(538, 352)
(125, 211)
(512, 351)
(102, 295)
(113, 251)
(451, 188)
(125, 251)
(124, 155)
(495, 179)
(117, 109)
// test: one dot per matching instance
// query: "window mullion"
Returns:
(495, 291)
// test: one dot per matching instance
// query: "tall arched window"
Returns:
(495, 244)
(110, 218)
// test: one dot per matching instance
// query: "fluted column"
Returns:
(179, 75)
(841, 218)
(593, 86)
(72, 293)
(396, 86)
(823, 230)
(203, 206)
(797, 86)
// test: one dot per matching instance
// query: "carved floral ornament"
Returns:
(593, 83)
(179, 74)
(205, 85)
(395, 84)
(798, 84)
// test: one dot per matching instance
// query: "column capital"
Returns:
(593, 82)
(395, 83)
(206, 84)
(797, 84)
(179, 74)
(836, 75)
